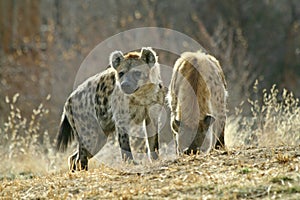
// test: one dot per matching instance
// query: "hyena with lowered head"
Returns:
(129, 92)
(197, 99)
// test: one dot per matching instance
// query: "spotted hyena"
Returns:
(129, 92)
(197, 98)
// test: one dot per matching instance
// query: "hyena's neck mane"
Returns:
(148, 94)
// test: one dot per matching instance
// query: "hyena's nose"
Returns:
(127, 88)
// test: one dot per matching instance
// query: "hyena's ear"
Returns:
(149, 56)
(115, 59)
(208, 120)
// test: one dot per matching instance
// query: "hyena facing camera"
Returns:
(129, 92)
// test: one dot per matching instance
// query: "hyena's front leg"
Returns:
(152, 130)
(175, 130)
(124, 143)
(152, 137)
(121, 116)
(219, 129)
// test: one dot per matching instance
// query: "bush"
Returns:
(24, 143)
(274, 120)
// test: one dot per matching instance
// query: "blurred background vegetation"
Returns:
(43, 42)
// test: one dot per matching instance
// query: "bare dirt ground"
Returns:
(252, 173)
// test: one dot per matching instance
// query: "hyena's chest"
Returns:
(137, 113)
(110, 116)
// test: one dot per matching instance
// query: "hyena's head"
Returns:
(135, 69)
(193, 139)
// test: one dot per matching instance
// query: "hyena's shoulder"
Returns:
(92, 91)
(207, 65)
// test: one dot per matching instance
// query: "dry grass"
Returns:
(261, 161)
(25, 146)
(274, 120)
(236, 174)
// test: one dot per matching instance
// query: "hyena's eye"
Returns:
(137, 74)
(121, 74)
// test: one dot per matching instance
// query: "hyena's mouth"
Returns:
(128, 90)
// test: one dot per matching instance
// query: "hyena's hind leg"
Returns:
(90, 142)
(79, 160)
(72, 161)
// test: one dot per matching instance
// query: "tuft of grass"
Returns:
(274, 120)
(245, 170)
(24, 144)
(281, 179)
(283, 158)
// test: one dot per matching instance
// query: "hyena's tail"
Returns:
(65, 134)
